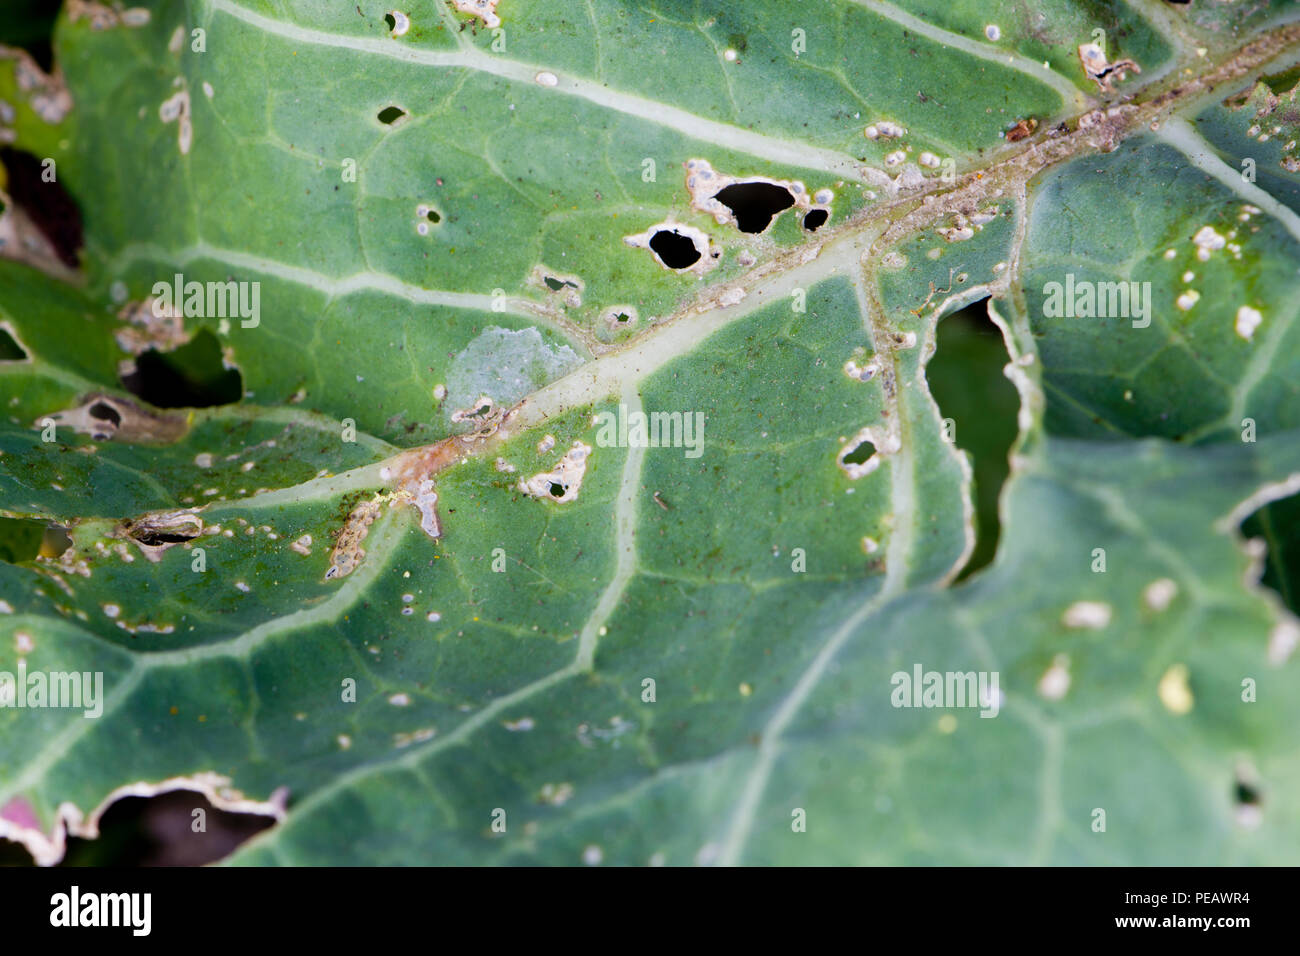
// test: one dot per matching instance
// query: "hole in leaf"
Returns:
(161, 531)
(20, 539)
(190, 376)
(674, 250)
(966, 380)
(160, 831)
(45, 202)
(155, 539)
(10, 350)
(105, 413)
(557, 490)
(860, 455)
(622, 317)
(1248, 796)
(1275, 523)
(390, 20)
(433, 216)
(391, 114)
(55, 541)
(29, 24)
(1284, 82)
(754, 204)
(555, 285)
(814, 219)
(24, 539)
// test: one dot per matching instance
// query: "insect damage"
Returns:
(677, 246)
(563, 482)
(1098, 68)
(106, 417)
(155, 532)
(751, 203)
(348, 553)
(485, 10)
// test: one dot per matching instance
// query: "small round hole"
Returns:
(814, 219)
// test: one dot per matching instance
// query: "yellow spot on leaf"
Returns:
(1174, 692)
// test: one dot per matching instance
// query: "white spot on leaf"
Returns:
(1056, 679)
(1248, 320)
(1087, 615)
(1174, 691)
(1159, 594)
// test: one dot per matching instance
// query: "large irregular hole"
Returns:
(163, 831)
(156, 538)
(25, 539)
(10, 350)
(814, 219)
(966, 379)
(20, 539)
(391, 114)
(1284, 82)
(1275, 524)
(29, 24)
(674, 250)
(754, 204)
(190, 376)
(46, 203)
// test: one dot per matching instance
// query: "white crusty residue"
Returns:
(1248, 320)
(1087, 615)
(348, 553)
(176, 109)
(566, 477)
(425, 500)
(1207, 240)
(1056, 679)
(104, 17)
(485, 10)
(882, 440)
(1160, 593)
(1099, 69)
